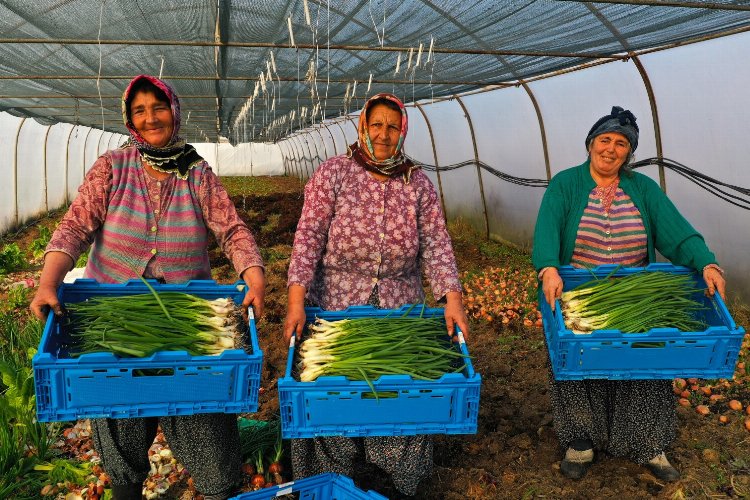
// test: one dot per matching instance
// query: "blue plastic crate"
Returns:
(100, 385)
(320, 487)
(661, 353)
(337, 406)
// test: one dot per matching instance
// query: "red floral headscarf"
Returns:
(362, 151)
(177, 156)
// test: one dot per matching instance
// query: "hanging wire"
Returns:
(381, 38)
(716, 187)
(735, 195)
(328, 55)
(501, 175)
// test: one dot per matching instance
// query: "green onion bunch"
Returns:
(366, 348)
(633, 304)
(140, 325)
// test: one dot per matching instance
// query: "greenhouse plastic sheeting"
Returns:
(243, 159)
(9, 127)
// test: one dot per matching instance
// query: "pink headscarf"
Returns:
(362, 151)
(177, 156)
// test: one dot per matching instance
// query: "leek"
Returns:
(139, 325)
(366, 348)
(634, 304)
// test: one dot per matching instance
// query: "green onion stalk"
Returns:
(140, 325)
(634, 304)
(366, 348)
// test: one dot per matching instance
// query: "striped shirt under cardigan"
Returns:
(616, 236)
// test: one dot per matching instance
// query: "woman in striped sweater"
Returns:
(145, 209)
(601, 212)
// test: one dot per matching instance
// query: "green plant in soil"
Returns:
(506, 342)
(11, 259)
(39, 244)
(273, 254)
(24, 442)
(17, 299)
(721, 476)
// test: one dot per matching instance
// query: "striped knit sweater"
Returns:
(616, 236)
(130, 235)
(567, 197)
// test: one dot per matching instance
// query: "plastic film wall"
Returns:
(696, 117)
(44, 165)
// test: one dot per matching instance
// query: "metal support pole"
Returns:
(67, 160)
(99, 142)
(288, 166)
(542, 130)
(646, 83)
(346, 145)
(654, 117)
(304, 139)
(297, 159)
(83, 163)
(333, 141)
(283, 158)
(479, 170)
(434, 155)
(46, 182)
(323, 143)
(15, 176)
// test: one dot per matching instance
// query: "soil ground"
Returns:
(515, 453)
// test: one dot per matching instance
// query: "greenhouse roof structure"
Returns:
(258, 70)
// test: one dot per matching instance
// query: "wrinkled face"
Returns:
(384, 128)
(151, 118)
(608, 153)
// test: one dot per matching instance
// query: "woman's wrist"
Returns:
(544, 270)
(713, 266)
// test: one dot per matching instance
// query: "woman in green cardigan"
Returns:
(601, 212)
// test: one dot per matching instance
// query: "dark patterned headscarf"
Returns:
(177, 156)
(363, 153)
(618, 120)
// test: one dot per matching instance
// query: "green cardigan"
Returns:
(567, 197)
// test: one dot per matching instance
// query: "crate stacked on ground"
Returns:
(102, 384)
(390, 405)
(659, 353)
(322, 487)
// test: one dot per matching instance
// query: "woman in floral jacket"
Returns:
(371, 220)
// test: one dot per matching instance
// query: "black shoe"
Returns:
(578, 458)
(662, 469)
(574, 470)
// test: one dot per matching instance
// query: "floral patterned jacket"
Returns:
(357, 232)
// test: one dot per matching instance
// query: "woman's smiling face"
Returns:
(608, 152)
(152, 118)
(384, 129)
